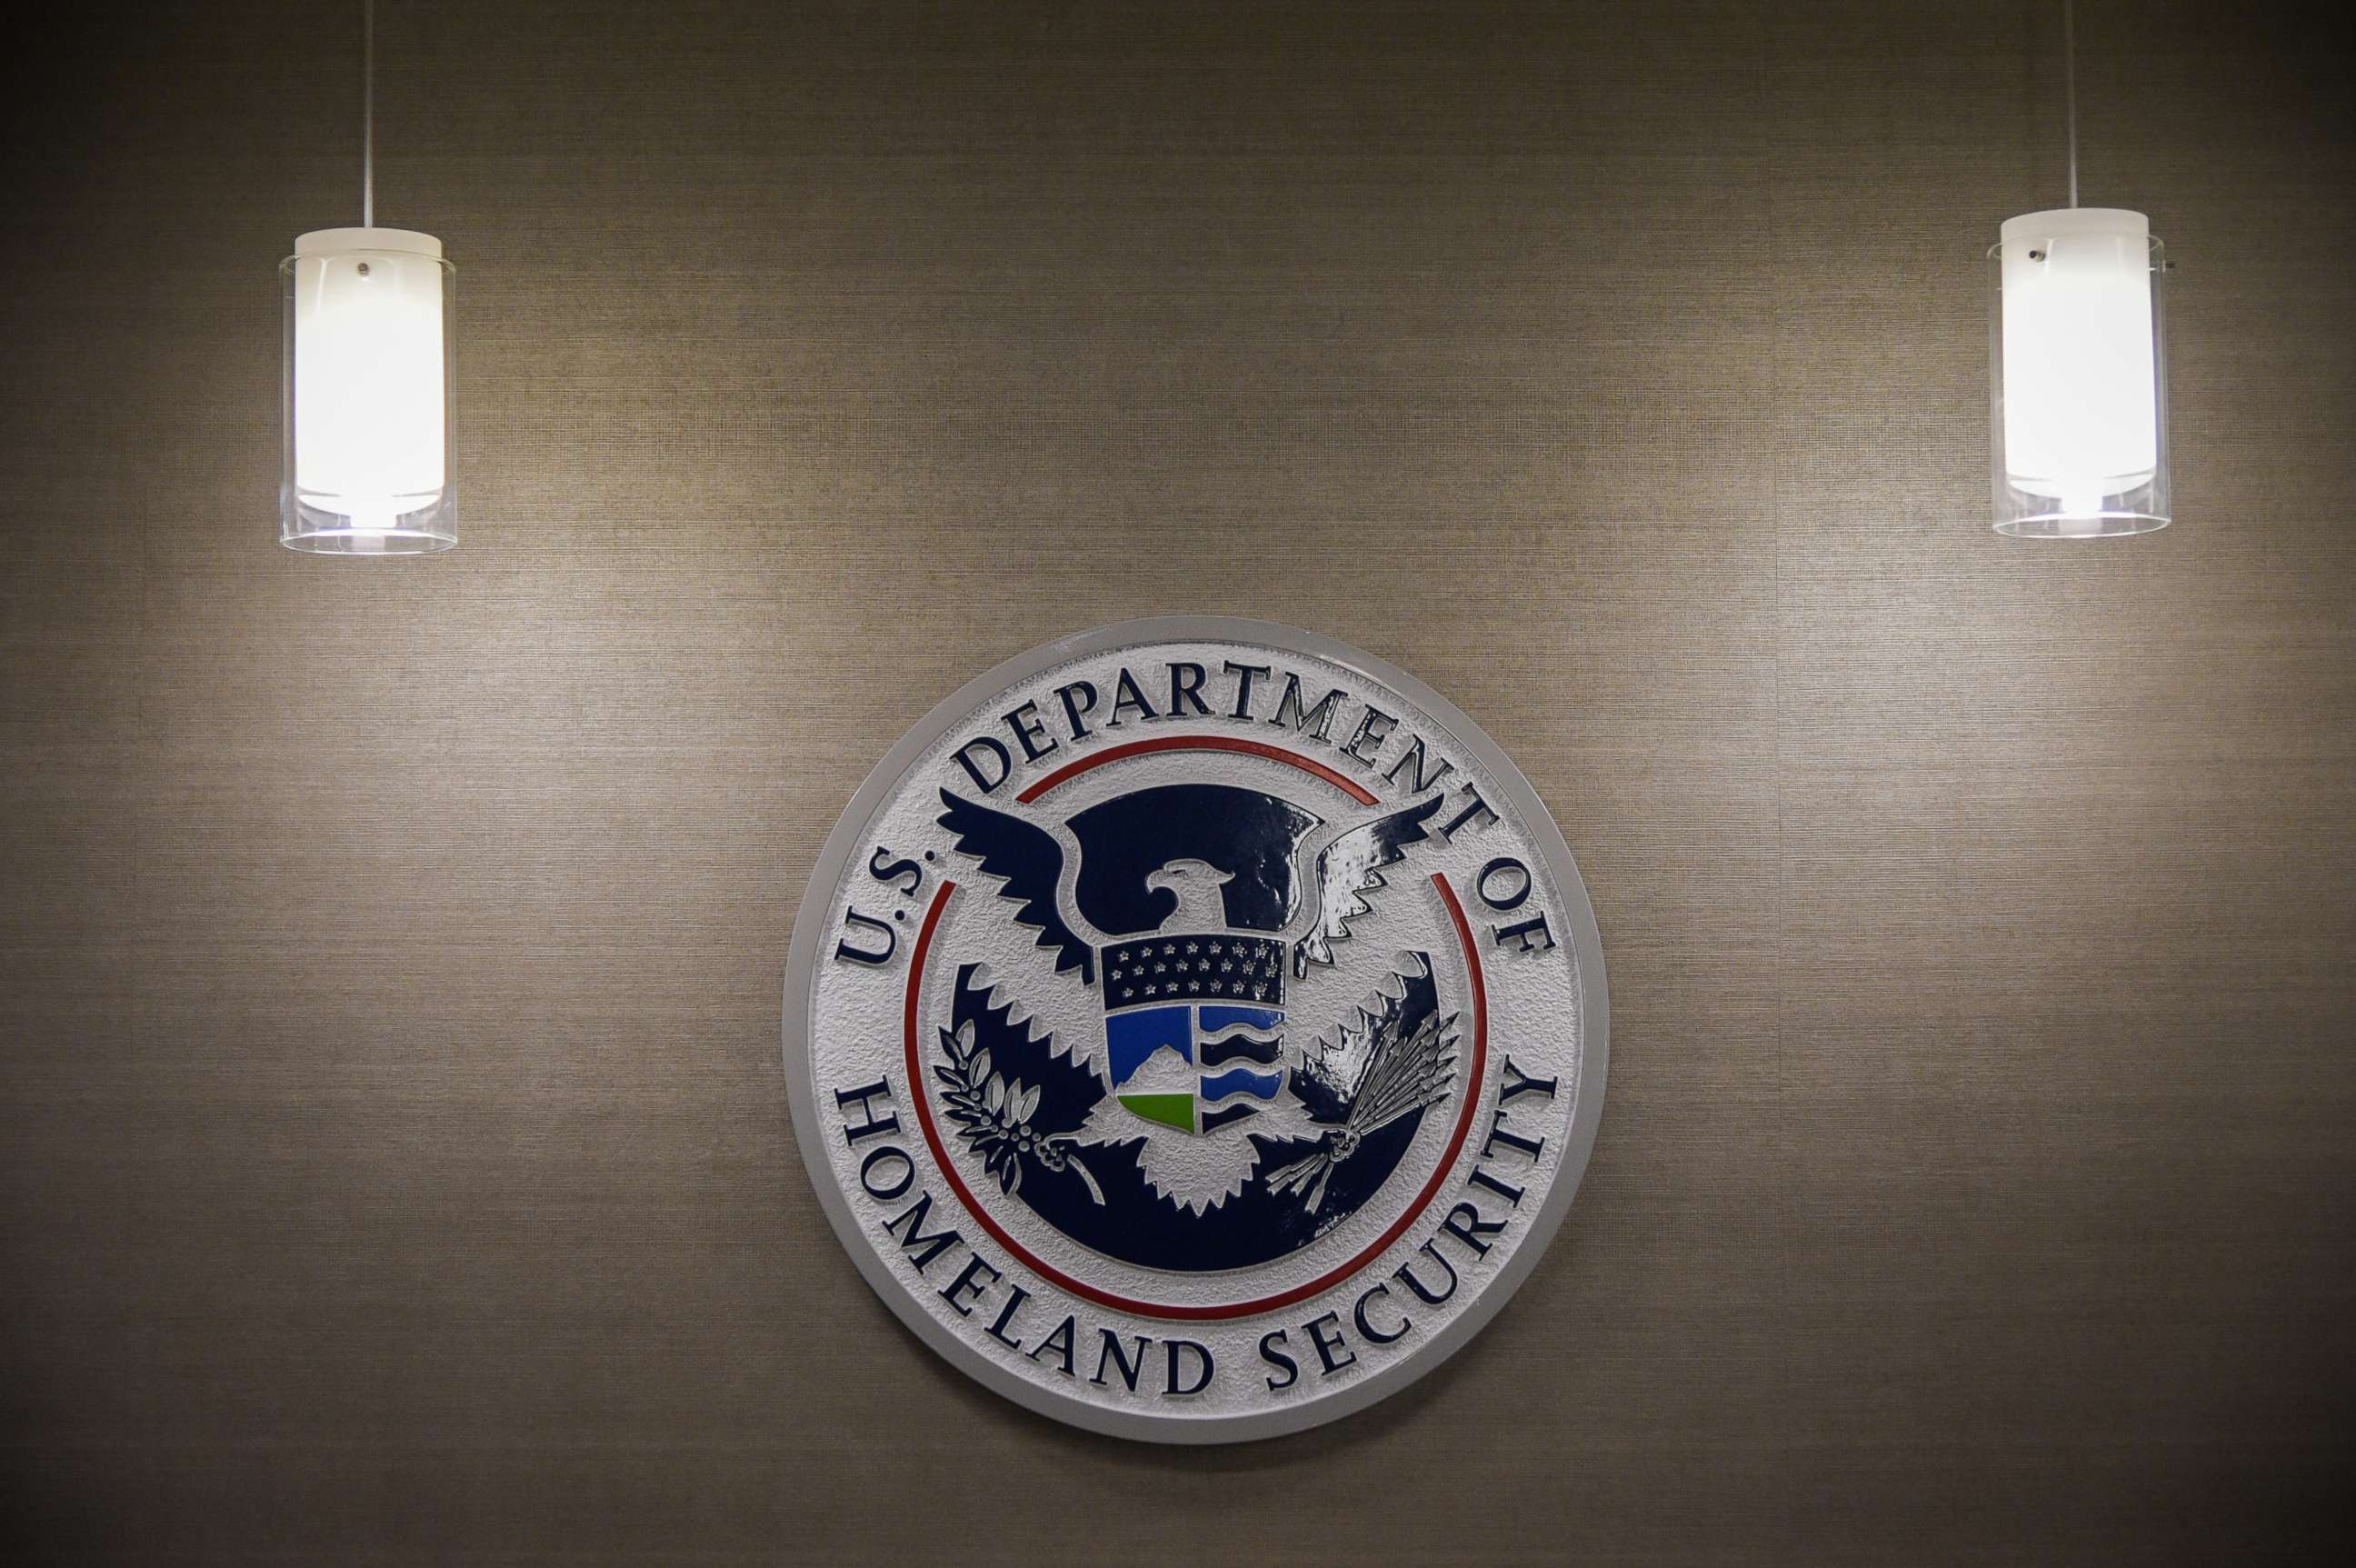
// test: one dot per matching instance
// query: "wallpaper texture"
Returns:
(394, 1162)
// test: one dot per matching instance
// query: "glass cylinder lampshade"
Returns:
(2078, 375)
(368, 394)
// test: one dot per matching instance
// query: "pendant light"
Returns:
(2077, 363)
(368, 394)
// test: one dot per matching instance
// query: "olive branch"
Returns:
(993, 1114)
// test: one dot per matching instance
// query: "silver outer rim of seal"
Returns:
(811, 924)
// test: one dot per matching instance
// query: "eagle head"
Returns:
(1196, 885)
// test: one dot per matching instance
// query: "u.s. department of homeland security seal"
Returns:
(1195, 1029)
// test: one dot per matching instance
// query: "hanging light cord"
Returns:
(2069, 86)
(368, 118)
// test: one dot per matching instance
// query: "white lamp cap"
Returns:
(2065, 220)
(337, 242)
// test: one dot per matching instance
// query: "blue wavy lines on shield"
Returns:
(1242, 1080)
(1215, 1052)
(1232, 1032)
(1215, 1120)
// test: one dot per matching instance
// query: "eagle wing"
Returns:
(1028, 862)
(1351, 867)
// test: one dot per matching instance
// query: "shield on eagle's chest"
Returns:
(1196, 880)
(1194, 1065)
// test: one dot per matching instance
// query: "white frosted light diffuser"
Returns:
(368, 394)
(2078, 375)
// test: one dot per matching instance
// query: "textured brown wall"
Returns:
(393, 1160)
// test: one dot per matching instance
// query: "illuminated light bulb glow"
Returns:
(368, 394)
(2078, 384)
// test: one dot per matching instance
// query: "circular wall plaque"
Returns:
(1195, 1029)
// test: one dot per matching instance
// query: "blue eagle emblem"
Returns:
(1201, 1129)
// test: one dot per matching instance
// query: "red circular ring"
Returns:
(1348, 786)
